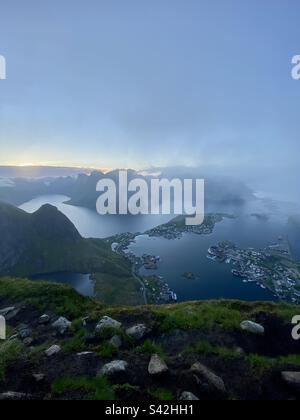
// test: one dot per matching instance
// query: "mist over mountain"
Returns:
(82, 188)
(217, 189)
(40, 171)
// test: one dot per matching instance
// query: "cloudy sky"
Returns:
(142, 83)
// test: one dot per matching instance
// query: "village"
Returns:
(271, 268)
(153, 287)
(177, 227)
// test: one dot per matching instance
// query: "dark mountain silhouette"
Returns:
(46, 241)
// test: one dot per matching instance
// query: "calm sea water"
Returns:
(90, 224)
(82, 283)
(189, 254)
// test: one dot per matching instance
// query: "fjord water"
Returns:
(213, 280)
(92, 225)
(82, 283)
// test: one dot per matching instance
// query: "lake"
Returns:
(82, 283)
(189, 254)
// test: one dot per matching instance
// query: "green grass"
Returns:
(207, 349)
(117, 290)
(202, 315)
(58, 298)
(149, 348)
(10, 352)
(98, 389)
(161, 394)
(262, 364)
(76, 343)
(107, 350)
(293, 359)
(129, 390)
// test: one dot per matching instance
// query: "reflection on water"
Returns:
(213, 280)
(82, 283)
(90, 224)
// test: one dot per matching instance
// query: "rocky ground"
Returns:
(63, 346)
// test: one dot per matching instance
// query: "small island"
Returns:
(189, 275)
(177, 227)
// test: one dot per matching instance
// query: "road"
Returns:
(141, 283)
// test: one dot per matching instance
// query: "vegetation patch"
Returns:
(207, 349)
(98, 389)
(150, 347)
(10, 352)
(202, 315)
(161, 394)
(46, 296)
(117, 290)
(76, 343)
(107, 350)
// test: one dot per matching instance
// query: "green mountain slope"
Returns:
(46, 241)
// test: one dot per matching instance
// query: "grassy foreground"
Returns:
(181, 335)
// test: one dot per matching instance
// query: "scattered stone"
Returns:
(14, 396)
(188, 396)
(14, 337)
(39, 377)
(112, 368)
(85, 321)
(292, 379)
(24, 333)
(157, 366)
(6, 311)
(252, 327)
(240, 351)
(28, 341)
(116, 341)
(44, 319)
(107, 322)
(62, 324)
(85, 353)
(205, 376)
(52, 351)
(137, 332)
(9, 312)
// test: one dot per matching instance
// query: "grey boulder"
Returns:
(137, 332)
(116, 341)
(206, 378)
(61, 325)
(188, 396)
(113, 368)
(107, 322)
(157, 366)
(53, 350)
(252, 327)
(292, 379)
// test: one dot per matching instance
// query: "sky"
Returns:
(142, 84)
